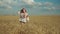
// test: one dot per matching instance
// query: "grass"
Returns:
(36, 25)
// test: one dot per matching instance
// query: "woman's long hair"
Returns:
(22, 10)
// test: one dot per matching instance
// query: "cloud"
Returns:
(35, 4)
(1, 2)
(39, 3)
(50, 8)
(58, 7)
(53, 8)
(8, 7)
(9, 1)
(5, 6)
(48, 3)
(27, 3)
(30, 2)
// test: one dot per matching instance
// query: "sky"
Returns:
(33, 7)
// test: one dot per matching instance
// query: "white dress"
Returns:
(22, 18)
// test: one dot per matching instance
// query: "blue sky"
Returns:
(34, 7)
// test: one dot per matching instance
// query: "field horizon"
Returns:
(36, 25)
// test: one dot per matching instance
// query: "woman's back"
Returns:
(23, 15)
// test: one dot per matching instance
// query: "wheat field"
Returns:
(36, 25)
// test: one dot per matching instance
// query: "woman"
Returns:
(24, 16)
